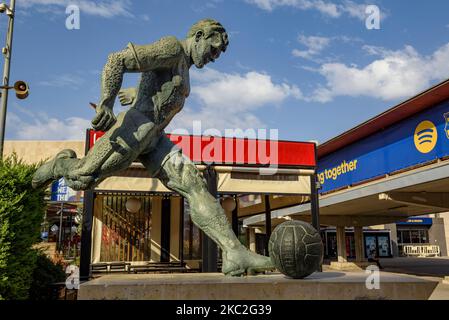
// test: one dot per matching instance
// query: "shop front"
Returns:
(378, 241)
(137, 224)
(413, 232)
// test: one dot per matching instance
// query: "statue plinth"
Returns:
(275, 286)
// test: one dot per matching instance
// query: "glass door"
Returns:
(370, 246)
(384, 246)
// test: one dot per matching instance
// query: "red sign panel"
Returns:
(239, 151)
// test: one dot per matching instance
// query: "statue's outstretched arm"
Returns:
(111, 81)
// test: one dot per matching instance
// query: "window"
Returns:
(425, 236)
(405, 236)
(249, 200)
(413, 236)
(125, 236)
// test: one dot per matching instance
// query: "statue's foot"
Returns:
(242, 261)
(46, 173)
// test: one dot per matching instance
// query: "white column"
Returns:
(97, 229)
(252, 239)
(341, 244)
(96, 240)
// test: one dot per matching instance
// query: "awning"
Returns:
(132, 184)
(238, 182)
(230, 180)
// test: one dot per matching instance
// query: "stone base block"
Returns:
(214, 286)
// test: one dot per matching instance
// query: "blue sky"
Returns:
(309, 68)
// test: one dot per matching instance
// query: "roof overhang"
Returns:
(395, 198)
(408, 108)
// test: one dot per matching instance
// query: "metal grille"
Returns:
(126, 236)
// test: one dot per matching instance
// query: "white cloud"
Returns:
(102, 8)
(240, 92)
(314, 44)
(326, 8)
(63, 81)
(216, 119)
(354, 10)
(43, 127)
(145, 17)
(205, 5)
(227, 100)
(394, 75)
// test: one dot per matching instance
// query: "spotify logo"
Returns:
(426, 137)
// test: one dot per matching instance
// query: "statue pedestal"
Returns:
(215, 286)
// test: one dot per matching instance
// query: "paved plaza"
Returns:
(432, 269)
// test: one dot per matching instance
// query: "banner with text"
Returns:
(415, 140)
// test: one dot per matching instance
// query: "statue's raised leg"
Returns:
(179, 174)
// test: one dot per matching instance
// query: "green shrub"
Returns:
(21, 214)
(45, 273)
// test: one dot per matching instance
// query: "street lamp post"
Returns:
(6, 68)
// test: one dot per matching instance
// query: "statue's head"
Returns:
(209, 41)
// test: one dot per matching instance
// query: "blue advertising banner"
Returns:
(60, 192)
(418, 139)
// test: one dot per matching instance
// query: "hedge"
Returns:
(45, 274)
(21, 214)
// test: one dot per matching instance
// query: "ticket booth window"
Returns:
(412, 236)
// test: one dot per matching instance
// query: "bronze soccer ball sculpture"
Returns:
(296, 249)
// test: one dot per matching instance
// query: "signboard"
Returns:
(60, 192)
(418, 139)
(416, 221)
(239, 151)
